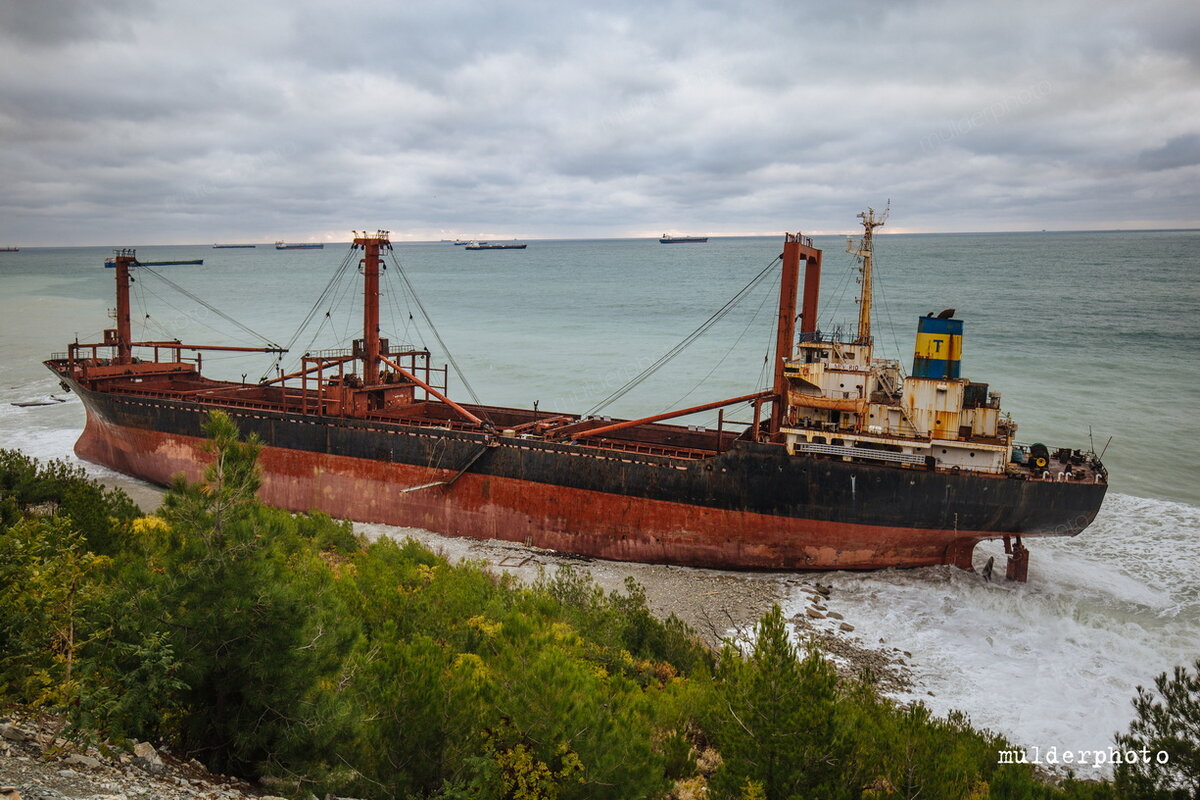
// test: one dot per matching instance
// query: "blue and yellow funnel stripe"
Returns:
(939, 348)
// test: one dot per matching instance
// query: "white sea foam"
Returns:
(1055, 661)
(44, 444)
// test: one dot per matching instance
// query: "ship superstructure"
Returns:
(842, 401)
(846, 464)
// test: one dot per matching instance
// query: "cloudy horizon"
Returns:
(157, 123)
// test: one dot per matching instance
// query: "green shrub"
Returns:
(100, 514)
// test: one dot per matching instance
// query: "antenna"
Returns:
(863, 251)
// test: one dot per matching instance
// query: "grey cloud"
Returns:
(1180, 151)
(55, 22)
(164, 122)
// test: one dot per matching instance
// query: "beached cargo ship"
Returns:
(847, 464)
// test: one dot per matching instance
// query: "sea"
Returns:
(1092, 339)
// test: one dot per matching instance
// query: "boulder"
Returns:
(14, 734)
(146, 757)
(80, 760)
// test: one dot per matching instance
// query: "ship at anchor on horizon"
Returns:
(847, 463)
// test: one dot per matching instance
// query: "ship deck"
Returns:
(168, 383)
(180, 382)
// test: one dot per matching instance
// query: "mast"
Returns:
(124, 335)
(796, 248)
(371, 245)
(863, 250)
(812, 290)
(121, 337)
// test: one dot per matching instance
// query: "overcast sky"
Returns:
(142, 122)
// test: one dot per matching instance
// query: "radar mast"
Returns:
(862, 249)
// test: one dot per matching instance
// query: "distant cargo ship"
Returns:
(298, 246)
(111, 263)
(10, 249)
(232, 246)
(496, 246)
(666, 239)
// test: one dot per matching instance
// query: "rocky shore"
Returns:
(36, 763)
(828, 629)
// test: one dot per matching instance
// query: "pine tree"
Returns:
(1167, 722)
(227, 493)
(251, 610)
(777, 718)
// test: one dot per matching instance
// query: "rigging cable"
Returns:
(395, 292)
(317, 333)
(732, 347)
(337, 276)
(351, 324)
(429, 321)
(834, 310)
(891, 323)
(210, 307)
(333, 280)
(181, 311)
(685, 343)
(151, 323)
(765, 370)
(138, 298)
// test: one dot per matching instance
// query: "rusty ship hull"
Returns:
(846, 464)
(749, 507)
